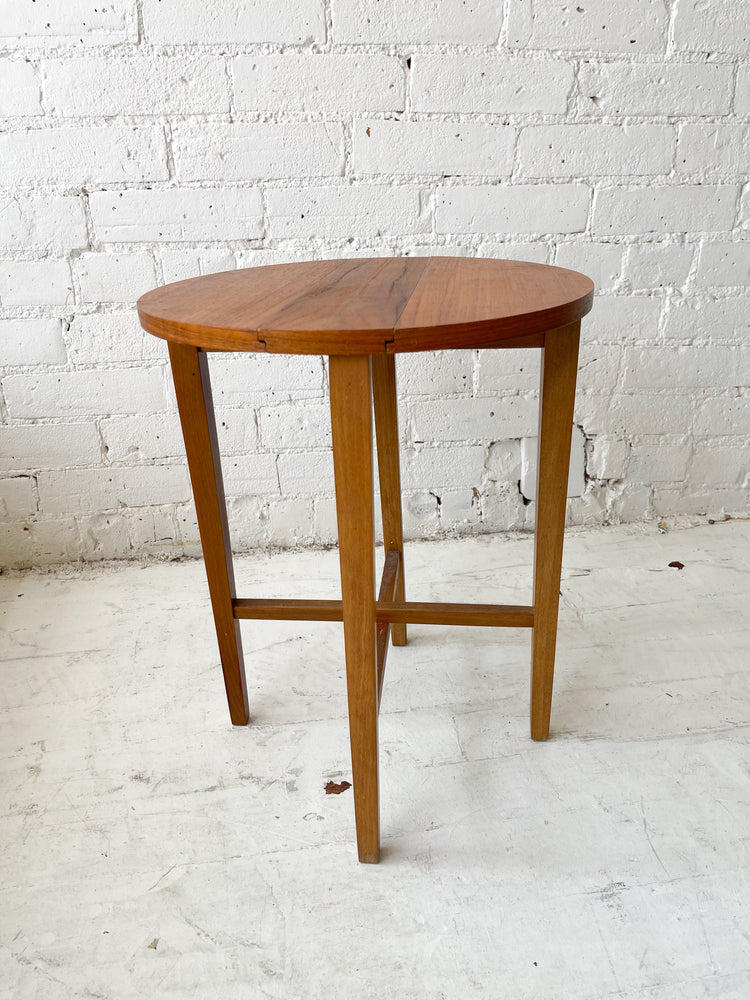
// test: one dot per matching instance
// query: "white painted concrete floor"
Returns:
(151, 850)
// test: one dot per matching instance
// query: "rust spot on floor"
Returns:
(336, 788)
(676, 564)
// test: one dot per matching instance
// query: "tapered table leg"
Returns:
(385, 406)
(193, 389)
(557, 398)
(352, 462)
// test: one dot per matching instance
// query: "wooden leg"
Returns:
(352, 462)
(193, 389)
(557, 397)
(385, 405)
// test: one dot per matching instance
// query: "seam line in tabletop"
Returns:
(397, 320)
(388, 285)
(266, 325)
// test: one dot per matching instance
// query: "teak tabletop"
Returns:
(365, 306)
(362, 313)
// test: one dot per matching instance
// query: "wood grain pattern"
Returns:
(385, 408)
(351, 424)
(363, 306)
(464, 302)
(287, 610)
(556, 401)
(408, 612)
(193, 389)
(351, 312)
(430, 613)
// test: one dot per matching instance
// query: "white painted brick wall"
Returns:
(83, 155)
(50, 446)
(303, 473)
(49, 23)
(61, 492)
(45, 282)
(725, 415)
(41, 223)
(104, 338)
(296, 82)
(146, 141)
(705, 318)
(442, 148)
(251, 475)
(176, 265)
(594, 150)
(176, 216)
(292, 22)
(266, 151)
(443, 467)
(723, 264)
(508, 371)
(602, 262)
(742, 96)
(17, 498)
(85, 393)
(620, 318)
(666, 464)
(726, 29)
(25, 342)
(490, 84)
(632, 26)
(292, 425)
(475, 419)
(115, 277)
(658, 265)
(437, 374)
(669, 209)
(649, 89)
(141, 439)
(403, 21)
(166, 85)
(20, 88)
(519, 208)
(265, 378)
(670, 367)
(334, 212)
(728, 146)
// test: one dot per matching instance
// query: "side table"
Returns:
(361, 313)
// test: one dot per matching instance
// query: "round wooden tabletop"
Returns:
(367, 306)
